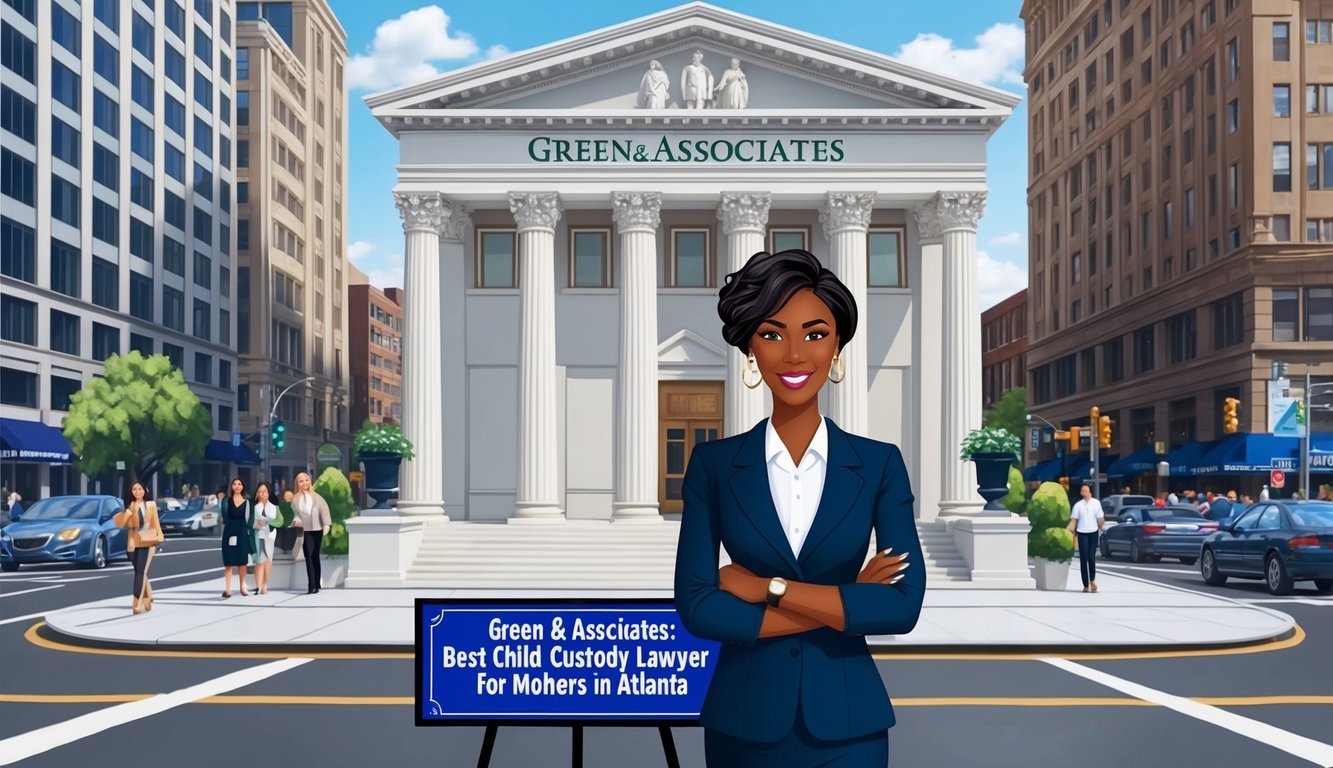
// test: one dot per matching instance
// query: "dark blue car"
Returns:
(1151, 533)
(1281, 542)
(64, 529)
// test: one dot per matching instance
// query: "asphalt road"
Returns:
(977, 710)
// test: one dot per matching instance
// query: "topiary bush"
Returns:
(1048, 512)
(1016, 501)
(337, 492)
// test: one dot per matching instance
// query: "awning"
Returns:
(1143, 460)
(1042, 471)
(1252, 454)
(223, 451)
(1321, 452)
(33, 441)
(1185, 459)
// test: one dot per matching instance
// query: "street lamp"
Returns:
(273, 414)
(1064, 464)
(1308, 437)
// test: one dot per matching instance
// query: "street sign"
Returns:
(1036, 438)
(1284, 416)
(328, 455)
(235, 439)
(1276, 478)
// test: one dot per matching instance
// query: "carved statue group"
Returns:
(698, 89)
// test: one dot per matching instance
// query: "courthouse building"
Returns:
(570, 213)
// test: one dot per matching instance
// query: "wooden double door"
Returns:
(689, 413)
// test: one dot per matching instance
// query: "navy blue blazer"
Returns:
(760, 684)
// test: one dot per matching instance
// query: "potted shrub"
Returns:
(381, 449)
(1050, 543)
(994, 451)
(337, 492)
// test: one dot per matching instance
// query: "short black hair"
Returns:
(1081, 486)
(767, 282)
(129, 493)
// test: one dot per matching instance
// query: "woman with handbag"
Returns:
(266, 513)
(145, 533)
(314, 520)
(238, 524)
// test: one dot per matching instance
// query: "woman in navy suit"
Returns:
(794, 500)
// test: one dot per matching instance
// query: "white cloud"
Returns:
(405, 47)
(997, 280)
(997, 57)
(359, 250)
(497, 51)
(1012, 238)
(389, 275)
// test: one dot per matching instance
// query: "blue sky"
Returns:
(393, 42)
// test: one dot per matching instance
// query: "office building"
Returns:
(375, 325)
(1004, 346)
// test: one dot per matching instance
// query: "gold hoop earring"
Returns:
(837, 366)
(749, 368)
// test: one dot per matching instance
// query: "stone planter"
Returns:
(332, 571)
(381, 476)
(993, 477)
(1051, 575)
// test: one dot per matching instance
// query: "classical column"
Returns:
(927, 367)
(538, 497)
(846, 219)
(744, 216)
(637, 215)
(452, 345)
(424, 216)
(957, 214)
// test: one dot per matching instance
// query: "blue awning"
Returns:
(1252, 454)
(33, 441)
(1039, 472)
(1185, 459)
(1143, 460)
(223, 451)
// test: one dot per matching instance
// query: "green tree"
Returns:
(140, 412)
(333, 486)
(1010, 412)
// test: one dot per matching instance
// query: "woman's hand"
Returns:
(738, 581)
(883, 568)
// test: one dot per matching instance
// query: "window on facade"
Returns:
(203, 368)
(202, 316)
(176, 354)
(1286, 314)
(1282, 100)
(106, 284)
(18, 320)
(1282, 228)
(106, 341)
(141, 344)
(1281, 41)
(590, 258)
(1282, 167)
(18, 388)
(1183, 336)
(1228, 321)
(141, 239)
(1233, 60)
(885, 251)
(64, 332)
(787, 239)
(1233, 116)
(496, 259)
(690, 259)
(18, 177)
(141, 296)
(173, 311)
(66, 268)
(1319, 314)
(1145, 349)
(62, 389)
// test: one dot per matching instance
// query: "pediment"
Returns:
(784, 70)
(689, 348)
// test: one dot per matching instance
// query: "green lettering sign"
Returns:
(546, 149)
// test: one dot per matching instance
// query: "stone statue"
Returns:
(696, 84)
(655, 88)
(732, 91)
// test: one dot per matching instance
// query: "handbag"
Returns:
(150, 535)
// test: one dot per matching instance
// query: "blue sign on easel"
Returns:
(559, 663)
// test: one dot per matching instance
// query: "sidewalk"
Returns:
(1126, 613)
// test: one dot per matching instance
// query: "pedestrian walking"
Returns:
(1263, 493)
(314, 520)
(145, 533)
(238, 524)
(1087, 520)
(264, 535)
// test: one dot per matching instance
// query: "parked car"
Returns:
(188, 519)
(1151, 533)
(1114, 506)
(1281, 542)
(64, 529)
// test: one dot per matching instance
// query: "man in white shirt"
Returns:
(1087, 520)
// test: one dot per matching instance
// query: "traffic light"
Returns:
(278, 436)
(1104, 432)
(1093, 414)
(1064, 483)
(1230, 419)
(1074, 433)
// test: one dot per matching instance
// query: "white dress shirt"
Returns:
(1087, 513)
(796, 489)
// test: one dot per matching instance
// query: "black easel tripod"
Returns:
(576, 752)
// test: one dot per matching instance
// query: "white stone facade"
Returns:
(539, 400)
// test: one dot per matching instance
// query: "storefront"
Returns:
(36, 460)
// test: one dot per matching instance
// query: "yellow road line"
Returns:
(947, 701)
(1297, 637)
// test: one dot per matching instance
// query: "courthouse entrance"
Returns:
(689, 413)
